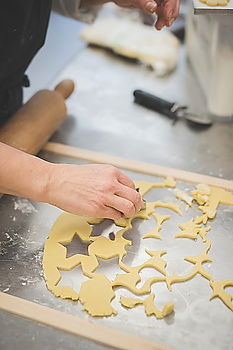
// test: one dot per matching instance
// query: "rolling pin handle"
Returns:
(65, 88)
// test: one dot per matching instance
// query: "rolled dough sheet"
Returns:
(98, 291)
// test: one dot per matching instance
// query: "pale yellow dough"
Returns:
(197, 260)
(97, 292)
(183, 196)
(219, 292)
(215, 2)
(191, 229)
(96, 295)
(130, 279)
(154, 233)
(149, 306)
(210, 198)
(145, 187)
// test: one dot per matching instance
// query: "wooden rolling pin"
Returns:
(32, 125)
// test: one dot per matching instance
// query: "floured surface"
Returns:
(22, 274)
(98, 291)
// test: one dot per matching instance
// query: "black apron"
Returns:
(23, 27)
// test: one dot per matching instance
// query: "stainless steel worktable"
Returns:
(102, 117)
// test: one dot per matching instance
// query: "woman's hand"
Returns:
(166, 10)
(97, 190)
(100, 191)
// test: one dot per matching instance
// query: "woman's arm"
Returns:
(22, 174)
(94, 190)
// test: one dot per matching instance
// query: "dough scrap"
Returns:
(149, 306)
(154, 232)
(211, 199)
(130, 302)
(203, 231)
(197, 260)
(219, 292)
(189, 230)
(145, 187)
(96, 295)
(185, 197)
(192, 228)
(131, 278)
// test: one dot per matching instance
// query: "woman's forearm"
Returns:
(22, 174)
(95, 190)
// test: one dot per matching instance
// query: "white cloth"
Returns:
(71, 8)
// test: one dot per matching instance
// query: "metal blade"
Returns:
(200, 119)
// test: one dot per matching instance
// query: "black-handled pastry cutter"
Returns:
(171, 109)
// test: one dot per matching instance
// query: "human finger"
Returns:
(111, 213)
(125, 180)
(177, 9)
(175, 6)
(148, 6)
(169, 22)
(131, 195)
(170, 9)
(160, 23)
(122, 205)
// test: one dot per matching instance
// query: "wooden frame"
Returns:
(77, 326)
(113, 338)
(136, 166)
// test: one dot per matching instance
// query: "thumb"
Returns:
(148, 6)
